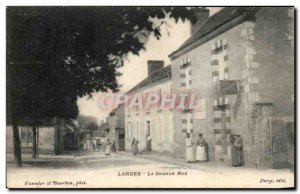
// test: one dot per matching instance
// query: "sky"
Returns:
(135, 67)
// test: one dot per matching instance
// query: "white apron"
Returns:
(201, 154)
(107, 150)
(189, 154)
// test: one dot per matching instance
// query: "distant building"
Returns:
(154, 121)
(116, 125)
(102, 132)
(66, 137)
(240, 63)
(54, 136)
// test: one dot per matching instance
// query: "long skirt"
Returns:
(237, 156)
(189, 154)
(107, 150)
(148, 146)
(207, 152)
(201, 153)
(135, 149)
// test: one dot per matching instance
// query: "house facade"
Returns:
(240, 64)
(153, 121)
(116, 124)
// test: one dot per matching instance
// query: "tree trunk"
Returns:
(17, 143)
(37, 141)
(57, 136)
(34, 142)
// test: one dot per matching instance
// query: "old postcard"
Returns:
(150, 97)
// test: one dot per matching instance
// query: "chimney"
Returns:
(202, 14)
(154, 65)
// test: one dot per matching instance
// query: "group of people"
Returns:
(202, 153)
(96, 144)
(237, 156)
(202, 149)
(110, 146)
(135, 142)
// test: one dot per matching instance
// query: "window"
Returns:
(186, 62)
(187, 121)
(215, 62)
(129, 131)
(219, 61)
(137, 130)
(226, 58)
(128, 111)
(137, 110)
(170, 125)
(182, 75)
(133, 130)
(185, 75)
(148, 132)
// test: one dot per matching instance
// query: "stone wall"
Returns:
(46, 139)
(259, 56)
(160, 120)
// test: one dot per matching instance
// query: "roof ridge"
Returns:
(214, 22)
(147, 78)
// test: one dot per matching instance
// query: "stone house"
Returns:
(154, 121)
(116, 126)
(240, 63)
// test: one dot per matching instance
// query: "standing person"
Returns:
(148, 143)
(133, 140)
(81, 145)
(206, 151)
(94, 144)
(201, 152)
(107, 147)
(237, 151)
(98, 145)
(189, 148)
(134, 145)
(113, 147)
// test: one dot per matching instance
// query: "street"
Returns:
(95, 170)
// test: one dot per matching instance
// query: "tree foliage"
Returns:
(57, 54)
(85, 121)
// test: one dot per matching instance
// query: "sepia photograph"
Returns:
(150, 97)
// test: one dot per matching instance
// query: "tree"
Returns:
(56, 54)
(85, 121)
(92, 127)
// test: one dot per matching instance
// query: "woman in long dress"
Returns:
(134, 145)
(189, 154)
(237, 151)
(148, 143)
(201, 152)
(107, 148)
